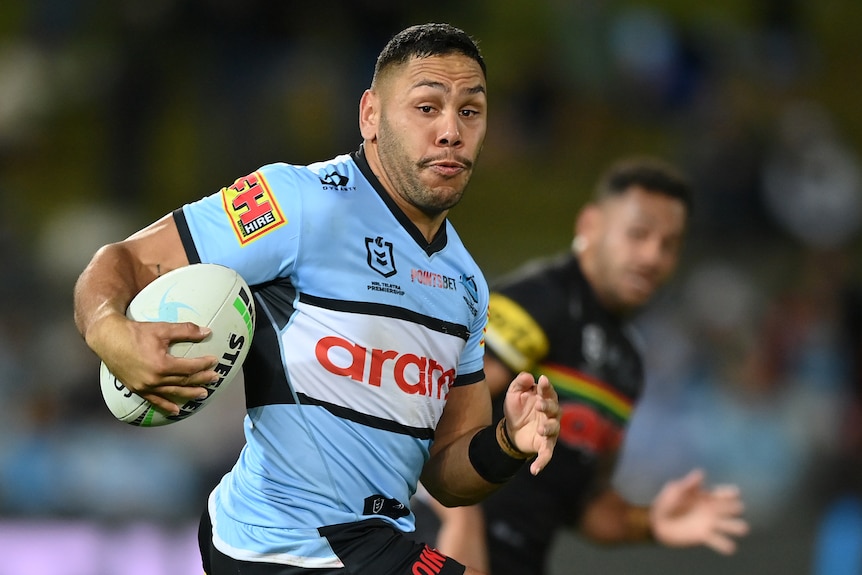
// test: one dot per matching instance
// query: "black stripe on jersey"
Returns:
(278, 296)
(382, 310)
(186, 236)
(469, 378)
(368, 420)
(265, 380)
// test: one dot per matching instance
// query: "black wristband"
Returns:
(488, 458)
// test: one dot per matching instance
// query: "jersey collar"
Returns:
(432, 247)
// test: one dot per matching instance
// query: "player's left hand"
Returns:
(532, 413)
(685, 514)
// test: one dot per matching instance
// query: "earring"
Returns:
(579, 244)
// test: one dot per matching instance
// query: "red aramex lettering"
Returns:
(444, 380)
(421, 386)
(378, 357)
(428, 376)
(357, 353)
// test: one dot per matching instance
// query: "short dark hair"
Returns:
(648, 172)
(425, 40)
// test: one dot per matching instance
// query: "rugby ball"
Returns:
(205, 294)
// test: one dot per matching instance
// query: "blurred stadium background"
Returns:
(113, 113)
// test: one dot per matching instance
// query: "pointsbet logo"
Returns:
(413, 374)
(251, 207)
(433, 279)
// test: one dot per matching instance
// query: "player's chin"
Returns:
(636, 297)
(445, 197)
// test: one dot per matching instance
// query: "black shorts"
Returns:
(366, 547)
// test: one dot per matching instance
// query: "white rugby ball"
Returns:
(208, 295)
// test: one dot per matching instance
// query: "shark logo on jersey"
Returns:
(469, 283)
(380, 256)
(332, 178)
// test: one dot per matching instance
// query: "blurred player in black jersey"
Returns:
(566, 318)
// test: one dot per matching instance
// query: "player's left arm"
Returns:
(471, 457)
(607, 518)
(448, 474)
(684, 514)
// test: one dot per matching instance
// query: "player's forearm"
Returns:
(105, 289)
(610, 520)
(451, 478)
(119, 271)
(472, 467)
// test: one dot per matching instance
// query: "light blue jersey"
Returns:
(362, 329)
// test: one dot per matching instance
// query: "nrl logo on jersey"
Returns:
(380, 505)
(380, 257)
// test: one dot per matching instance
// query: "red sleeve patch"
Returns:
(251, 207)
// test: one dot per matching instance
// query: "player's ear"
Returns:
(369, 115)
(587, 223)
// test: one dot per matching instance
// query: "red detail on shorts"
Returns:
(430, 562)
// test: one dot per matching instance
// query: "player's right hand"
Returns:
(137, 353)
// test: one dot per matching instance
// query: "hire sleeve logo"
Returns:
(251, 207)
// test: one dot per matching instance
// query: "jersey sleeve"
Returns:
(251, 226)
(472, 360)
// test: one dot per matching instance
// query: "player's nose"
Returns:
(450, 130)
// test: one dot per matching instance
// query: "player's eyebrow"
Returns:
(477, 89)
